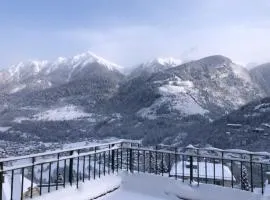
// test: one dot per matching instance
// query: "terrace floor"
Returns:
(147, 187)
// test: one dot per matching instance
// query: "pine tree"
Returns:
(244, 180)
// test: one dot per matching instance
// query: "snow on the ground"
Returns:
(20, 119)
(17, 89)
(69, 112)
(178, 95)
(86, 190)
(153, 187)
(147, 187)
(4, 128)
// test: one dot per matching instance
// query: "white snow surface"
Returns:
(4, 128)
(147, 187)
(87, 190)
(179, 95)
(17, 180)
(167, 62)
(204, 171)
(152, 187)
(68, 112)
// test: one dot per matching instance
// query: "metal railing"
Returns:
(33, 175)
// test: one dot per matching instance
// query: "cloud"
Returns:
(132, 44)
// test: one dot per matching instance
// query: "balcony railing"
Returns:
(33, 175)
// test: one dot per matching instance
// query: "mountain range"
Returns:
(163, 100)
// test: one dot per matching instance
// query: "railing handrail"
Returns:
(47, 153)
(234, 151)
(56, 159)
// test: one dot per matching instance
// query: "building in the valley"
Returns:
(205, 171)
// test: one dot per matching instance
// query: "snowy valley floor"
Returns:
(147, 187)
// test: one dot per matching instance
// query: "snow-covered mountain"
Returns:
(212, 85)
(261, 74)
(37, 75)
(154, 65)
(161, 101)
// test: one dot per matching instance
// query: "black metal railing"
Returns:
(33, 175)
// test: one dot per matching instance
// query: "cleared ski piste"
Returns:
(147, 187)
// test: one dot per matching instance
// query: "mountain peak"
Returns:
(167, 62)
(90, 57)
(216, 59)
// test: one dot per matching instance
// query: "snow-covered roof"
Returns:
(204, 169)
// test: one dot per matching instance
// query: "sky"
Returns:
(128, 32)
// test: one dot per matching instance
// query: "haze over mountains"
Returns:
(160, 101)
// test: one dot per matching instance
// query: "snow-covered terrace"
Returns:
(107, 162)
(126, 186)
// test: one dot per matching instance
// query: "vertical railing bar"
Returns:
(89, 167)
(65, 168)
(121, 155)
(40, 181)
(99, 164)
(175, 159)
(232, 173)
(162, 164)
(83, 167)
(57, 170)
(117, 159)
(138, 158)
(262, 181)
(78, 170)
(198, 166)
(214, 171)
(95, 158)
(70, 168)
(144, 155)
(22, 184)
(109, 158)
(127, 160)
(169, 164)
(183, 168)
(156, 158)
(241, 172)
(131, 160)
(191, 169)
(251, 173)
(12, 181)
(222, 164)
(104, 164)
(205, 165)
(113, 159)
(150, 163)
(32, 177)
(49, 183)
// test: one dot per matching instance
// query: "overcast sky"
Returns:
(130, 31)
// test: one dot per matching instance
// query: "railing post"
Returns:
(112, 159)
(251, 173)
(1, 180)
(130, 160)
(191, 169)
(70, 168)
